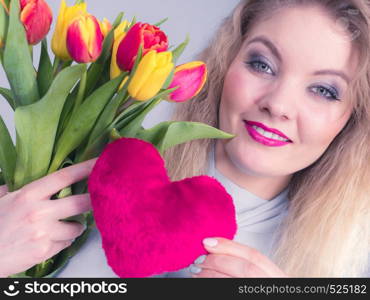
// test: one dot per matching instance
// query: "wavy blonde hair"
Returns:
(327, 230)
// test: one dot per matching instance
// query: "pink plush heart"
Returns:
(150, 225)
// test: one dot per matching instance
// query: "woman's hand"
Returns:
(230, 259)
(30, 230)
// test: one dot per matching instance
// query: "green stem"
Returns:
(124, 101)
(128, 111)
(81, 93)
(55, 66)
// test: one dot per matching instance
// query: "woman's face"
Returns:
(284, 95)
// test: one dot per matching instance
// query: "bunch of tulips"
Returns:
(102, 82)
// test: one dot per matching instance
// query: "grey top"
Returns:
(257, 219)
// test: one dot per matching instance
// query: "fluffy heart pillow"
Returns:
(150, 225)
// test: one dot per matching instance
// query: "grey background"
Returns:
(198, 18)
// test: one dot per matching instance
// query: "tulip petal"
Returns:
(36, 17)
(96, 38)
(114, 68)
(154, 39)
(153, 86)
(121, 29)
(145, 68)
(129, 47)
(150, 75)
(189, 78)
(147, 36)
(84, 39)
(65, 17)
(76, 43)
(105, 26)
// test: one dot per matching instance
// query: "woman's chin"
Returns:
(252, 160)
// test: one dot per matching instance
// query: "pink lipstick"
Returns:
(262, 139)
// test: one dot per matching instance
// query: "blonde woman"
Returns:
(291, 79)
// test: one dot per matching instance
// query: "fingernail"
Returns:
(200, 259)
(210, 242)
(195, 270)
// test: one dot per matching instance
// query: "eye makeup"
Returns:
(255, 60)
(258, 63)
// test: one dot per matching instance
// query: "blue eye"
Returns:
(260, 66)
(329, 93)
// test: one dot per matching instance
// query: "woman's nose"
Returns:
(280, 103)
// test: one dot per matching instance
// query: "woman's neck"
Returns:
(264, 187)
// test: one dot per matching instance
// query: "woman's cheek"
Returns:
(322, 126)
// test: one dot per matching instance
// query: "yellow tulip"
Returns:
(66, 16)
(151, 74)
(119, 34)
(105, 26)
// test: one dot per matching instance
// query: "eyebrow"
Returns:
(277, 54)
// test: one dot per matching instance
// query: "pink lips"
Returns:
(262, 139)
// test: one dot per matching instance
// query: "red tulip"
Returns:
(189, 78)
(85, 39)
(36, 17)
(149, 37)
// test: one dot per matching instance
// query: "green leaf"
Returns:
(45, 70)
(134, 124)
(36, 127)
(132, 23)
(108, 114)
(67, 191)
(4, 20)
(170, 133)
(104, 77)
(180, 49)
(81, 92)
(8, 155)
(169, 79)
(107, 48)
(161, 22)
(17, 61)
(118, 20)
(132, 109)
(42, 269)
(2, 180)
(93, 76)
(136, 63)
(81, 123)
(66, 112)
(8, 95)
(131, 122)
(114, 134)
(20, 275)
